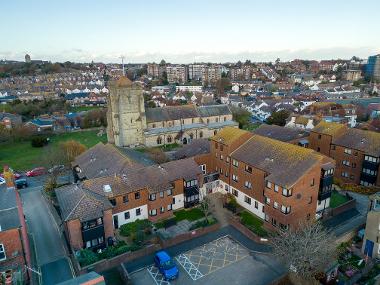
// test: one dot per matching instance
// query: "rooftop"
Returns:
(329, 128)
(279, 133)
(228, 135)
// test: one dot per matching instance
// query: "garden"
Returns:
(337, 199)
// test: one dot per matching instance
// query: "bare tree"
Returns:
(306, 250)
(205, 205)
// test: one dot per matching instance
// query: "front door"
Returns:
(368, 249)
(115, 222)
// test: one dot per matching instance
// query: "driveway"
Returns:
(51, 254)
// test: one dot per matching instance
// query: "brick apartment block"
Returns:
(355, 151)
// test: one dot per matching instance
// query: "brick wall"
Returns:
(108, 224)
(321, 144)
(74, 234)
(245, 231)
(11, 240)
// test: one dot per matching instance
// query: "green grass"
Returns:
(253, 223)
(337, 199)
(22, 156)
(190, 215)
(83, 108)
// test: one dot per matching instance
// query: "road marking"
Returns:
(189, 267)
(157, 276)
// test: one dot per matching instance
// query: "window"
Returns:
(221, 171)
(221, 147)
(286, 192)
(203, 168)
(170, 207)
(125, 199)
(285, 210)
(310, 200)
(234, 178)
(162, 209)
(318, 149)
(344, 174)
(235, 192)
(248, 169)
(276, 188)
(369, 171)
(201, 134)
(2, 252)
(226, 174)
(267, 200)
(333, 147)
(173, 200)
(137, 195)
(235, 163)
(312, 183)
(247, 200)
(169, 139)
(248, 184)
(371, 159)
(162, 194)
(346, 162)
(152, 197)
(347, 151)
(256, 204)
(216, 145)
(227, 159)
(268, 184)
(275, 205)
(319, 137)
(113, 202)
(329, 172)
(221, 157)
(159, 140)
(127, 215)
(274, 222)
(153, 212)
(353, 165)
(169, 192)
(226, 187)
(191, 183)
(138, 212)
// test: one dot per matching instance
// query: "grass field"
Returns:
(192, 214)
(83, 108)
(337, 199)
(22, 156)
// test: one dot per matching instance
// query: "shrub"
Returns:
(127, 229)
(203, 224)
(39, 141)
(87, 257)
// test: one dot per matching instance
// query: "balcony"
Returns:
(191, 196)
(370, 165)
(211, 177)
(368, 178)
(326, 181)
(92, 233)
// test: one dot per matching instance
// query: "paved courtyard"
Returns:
(222, 261)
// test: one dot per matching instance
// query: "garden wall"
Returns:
(244, 230)
(351, 204)
(188, 236)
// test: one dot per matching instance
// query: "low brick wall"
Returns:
(106, 264)
(188, 236)
(351, 204)
(234, 221)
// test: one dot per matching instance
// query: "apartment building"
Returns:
(356, 152)
(196, 71)
(105, 203)
(281, 183)
(243, 73)
(177, 73)
(189, 88)
(155, 70)
(211, 74)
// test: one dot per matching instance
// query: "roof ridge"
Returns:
(80, 200)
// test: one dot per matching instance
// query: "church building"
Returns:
(131, 124)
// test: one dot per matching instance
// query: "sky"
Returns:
(188, 31)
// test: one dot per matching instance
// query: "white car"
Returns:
(2, 181)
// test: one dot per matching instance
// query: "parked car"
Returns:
(21, 183)
(166, 265)
(2, 181)
(36, 172)
(56, 168)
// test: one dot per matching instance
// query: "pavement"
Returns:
(50, 249)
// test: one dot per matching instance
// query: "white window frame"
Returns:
(2, 250)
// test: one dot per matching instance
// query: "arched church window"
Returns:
(201, 134)
(169, 139)
(159, 140)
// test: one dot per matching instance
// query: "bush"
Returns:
(87, 257)
(39, 141)
(203, 224)
(127, 229)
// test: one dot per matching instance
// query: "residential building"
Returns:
(373, 67)
(196, 71)
(177, 73)
(281, 183)
(371, 243)
(356, 152)
(189, 88)
(211, 74)
(289, 135)
(130, 123)
(155, 70)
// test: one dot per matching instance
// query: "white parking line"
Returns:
(157, 276)
(189, 267)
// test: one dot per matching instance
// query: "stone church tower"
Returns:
(126, 113)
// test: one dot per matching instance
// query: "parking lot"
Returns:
(222, 261)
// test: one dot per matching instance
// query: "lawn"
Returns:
(83, 108)
(255, 224)
(190, 215)
(22, 156)
(337, 199)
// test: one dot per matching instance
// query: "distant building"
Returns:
(27, 58)
(373, 67)
(177, 73)
(196, 71)
(189, 88)
(155, 70)
(371, 244)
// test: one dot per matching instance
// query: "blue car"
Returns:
(166, 265)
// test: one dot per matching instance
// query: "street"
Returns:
(51, 255)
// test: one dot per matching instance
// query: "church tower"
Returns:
(126, 113)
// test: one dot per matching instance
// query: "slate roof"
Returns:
(103, 160)
(196, 147)
(170, 113)
(9, 218)
(366, 141)
(77, 202)
(285, 163)
(329, 128)
(279, 133)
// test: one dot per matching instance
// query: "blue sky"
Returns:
(188, 31)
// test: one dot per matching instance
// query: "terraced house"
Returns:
(357, 152)
(281, 183)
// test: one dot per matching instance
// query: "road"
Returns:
(51, 254)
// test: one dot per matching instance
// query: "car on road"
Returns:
(166, 265)
(21, 183)
(36, 172)
(2, 181)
